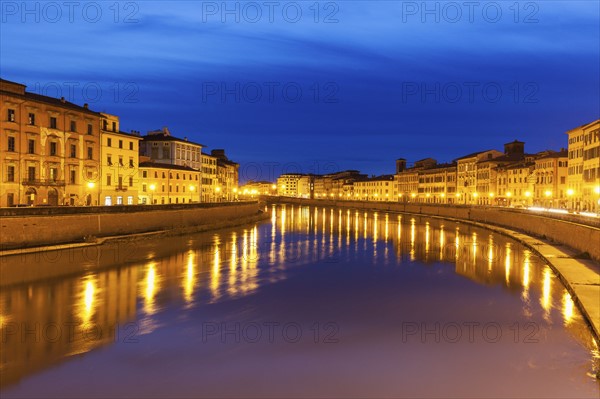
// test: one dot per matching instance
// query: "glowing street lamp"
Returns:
(152, 188)
(192, 188)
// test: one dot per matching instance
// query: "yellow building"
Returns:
(437, 184)
(516, 182)
(551, 173)
(584, 167)
(466, 175)
(406, 180)
(380, 188)
(49, 149)
(251, 189)
(168, 184)
(119, 153)
(295, 185)
(227, 176)
(162, 147)
(210, 187)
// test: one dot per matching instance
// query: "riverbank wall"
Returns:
(44, 226)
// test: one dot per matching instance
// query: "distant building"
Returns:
(210, 186)
(50, 149)
(252, 188)
(466, 175)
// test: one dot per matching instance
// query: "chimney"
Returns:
(62, 100)
(85, 105)
(185, 138)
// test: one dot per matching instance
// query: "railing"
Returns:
(43, 182)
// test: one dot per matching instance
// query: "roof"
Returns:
(134, 136)
(515, 157)
(57, 102)
(473, 154)
(560, 154)
(584, 126)
(162, 137)
(169, 166)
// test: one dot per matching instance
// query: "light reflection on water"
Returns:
(44, 322)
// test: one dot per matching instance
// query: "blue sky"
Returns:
(342, 84)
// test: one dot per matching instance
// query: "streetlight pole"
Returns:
(152, 188)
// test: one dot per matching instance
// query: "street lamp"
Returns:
(192, 188)
(91, 186)
(570, 193)
(548, 195)
(152, 188)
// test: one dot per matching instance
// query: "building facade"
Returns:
(584, 167)
(161, 184)
(119, 154)
(49, 149)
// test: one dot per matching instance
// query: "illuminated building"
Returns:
(167, 184)
(379, 188)
(227, 176)
(466, 175)
(49, 149)
(210, 188)
(551, 173)
(119, 154)
(583, 179)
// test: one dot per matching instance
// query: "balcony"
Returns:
(120, 188)
(43, 182)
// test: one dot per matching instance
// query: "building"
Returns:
(583, 179)
(252, 188)
(378, 188)
(466, 175)
(49, 149)
(551, 172)
(210, 187)
(161, 147)
(437, 185)
(161, 183)
(338, 185)
(406, 180)
(295, 185)
(119, 154)
(227, 176)
(515, 182)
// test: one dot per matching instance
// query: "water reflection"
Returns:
(70, 315)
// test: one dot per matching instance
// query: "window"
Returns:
(119, 200)
(11, 143)
(109, 160)
(108, 180)
(144, 189)
(10, 199)
(131, 145)
(114, 126)
(73, 126)
(73, 151)
(10, 174)
(130, 181)
(130, 200)
(52, 122)
(73, 176)
(11, 115)
(144, 174)
(120, 143)
(90, 153)
(31, 146)
(166, 153)
(108, 201)
(31, 119)
(90, 130)
(131, 162)
(104, 124)
(53, 148)
(120, 161)
(109, 142)
(31, 173)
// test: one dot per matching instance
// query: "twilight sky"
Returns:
(317, 87)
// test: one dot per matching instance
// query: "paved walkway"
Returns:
(580, 276)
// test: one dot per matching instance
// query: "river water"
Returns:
(315, 302)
